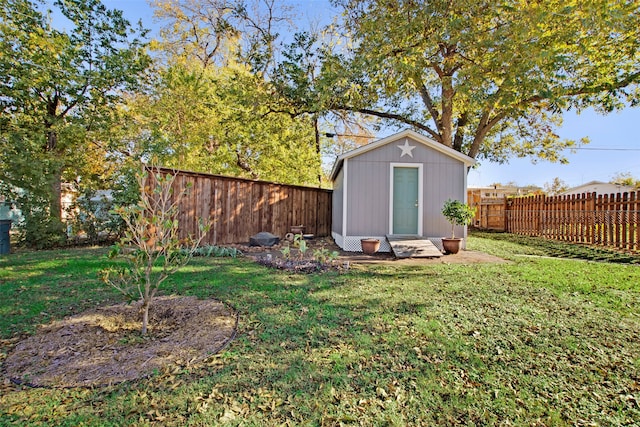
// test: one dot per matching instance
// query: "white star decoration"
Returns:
(406, 149)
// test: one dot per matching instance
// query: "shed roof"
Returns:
(468, 161)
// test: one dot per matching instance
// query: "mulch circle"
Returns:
(104, 346)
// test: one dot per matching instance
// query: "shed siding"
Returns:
(368, 188)
(337, 204)
(443, 182)
(368, 197)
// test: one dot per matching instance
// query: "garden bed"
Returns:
(104, 346)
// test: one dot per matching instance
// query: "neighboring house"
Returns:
(500, 191)
(598, 187)
(8, 211)
(396, 186)
(101, 204)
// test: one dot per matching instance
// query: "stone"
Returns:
(264, 239)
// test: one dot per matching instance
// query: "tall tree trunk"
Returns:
(55, 196)
(55, 205)
(447, 111)
(317, 135)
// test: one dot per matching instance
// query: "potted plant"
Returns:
(457, 213)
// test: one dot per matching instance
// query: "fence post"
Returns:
(633, 221)
(624, 221)
(613, 209)
(507, 219)
(591, 217)
(635, 225)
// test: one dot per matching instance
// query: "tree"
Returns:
(216, 120)
(151, 245)
(303, 86)
(555, 187)
(222, 31)
(627, 179)
(57, 92)
(487, 78)
(210, 109)
(265, 133)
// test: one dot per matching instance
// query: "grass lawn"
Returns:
(541, 340)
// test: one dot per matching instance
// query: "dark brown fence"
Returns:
(239, 208)
(611, 220)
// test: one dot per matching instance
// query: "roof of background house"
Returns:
(597, 187)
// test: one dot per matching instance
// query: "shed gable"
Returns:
(406, 146)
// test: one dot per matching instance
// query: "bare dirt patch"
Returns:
(105, 347)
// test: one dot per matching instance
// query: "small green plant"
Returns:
(286, 252)
(300, 243)
(457, 213)
(324, 256)
(216, 251)
(151, 244)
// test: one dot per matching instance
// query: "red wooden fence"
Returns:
(239, 208)
(611, 220)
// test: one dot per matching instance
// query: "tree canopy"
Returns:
(209, 108)
(216, 120)
(57, 93)
(627, 179)
(487, 78)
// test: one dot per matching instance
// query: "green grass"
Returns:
(539, 340)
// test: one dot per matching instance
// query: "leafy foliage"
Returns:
(457, 213)
(324, 256)
(217, 251)
(151, 245)
(92, 215)
(626, 178)
(216, 120)
(555, 187)
(301, 244)
(221, 32)
(57, 96)
(487, 78)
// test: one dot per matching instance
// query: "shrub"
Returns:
(151, 245)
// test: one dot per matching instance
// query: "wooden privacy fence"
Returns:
(239, 208)
(490, 214)
(611, 220)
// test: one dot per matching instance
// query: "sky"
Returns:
(614, 146)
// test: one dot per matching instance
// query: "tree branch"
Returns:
(487, 122)
(394, 116)
(428, 102)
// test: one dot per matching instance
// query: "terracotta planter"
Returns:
(370, 246)
(297, 229)
(451, 246)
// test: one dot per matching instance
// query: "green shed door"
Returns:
(405, 200)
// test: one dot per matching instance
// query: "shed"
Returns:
(396, 186)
